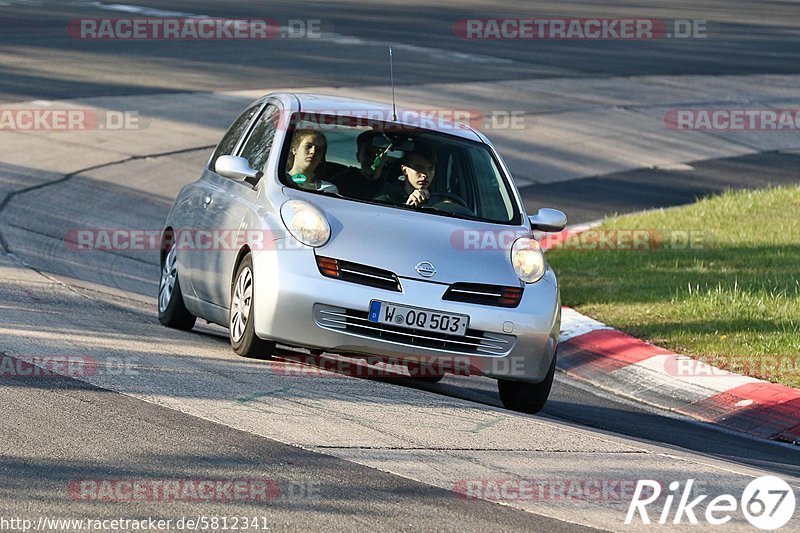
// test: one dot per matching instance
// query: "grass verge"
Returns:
(718, 280)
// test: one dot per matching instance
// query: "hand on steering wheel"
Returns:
(438, 197)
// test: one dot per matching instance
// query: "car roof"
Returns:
(430, 119)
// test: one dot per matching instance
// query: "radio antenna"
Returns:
(391, 77)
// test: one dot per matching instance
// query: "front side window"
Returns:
(389, 164)
(235, 132)
(257, 148)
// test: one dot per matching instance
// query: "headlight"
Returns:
(528, 260)
(306, 223)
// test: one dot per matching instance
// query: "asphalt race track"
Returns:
(344, 453)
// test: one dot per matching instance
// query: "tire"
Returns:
(526, 397)
(241, 330)
(172, 311)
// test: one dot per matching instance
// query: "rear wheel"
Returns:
(242, 333)
(171, 310)
(526, 397)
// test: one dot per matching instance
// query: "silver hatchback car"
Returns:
(350, 227)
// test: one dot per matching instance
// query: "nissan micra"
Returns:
(351, 227)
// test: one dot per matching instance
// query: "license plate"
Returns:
(416, 318)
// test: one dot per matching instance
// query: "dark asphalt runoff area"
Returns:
(39, 59)
(591, 199)
(56, 430)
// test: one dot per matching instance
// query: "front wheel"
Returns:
(526, 397)
(242, 333)
(171, 310)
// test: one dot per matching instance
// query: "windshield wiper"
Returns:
(431, 209)
(425, 208)
(331, 193)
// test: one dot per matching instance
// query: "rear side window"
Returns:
(257, 148)
(237, 129)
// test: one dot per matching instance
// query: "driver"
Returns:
(413, 186)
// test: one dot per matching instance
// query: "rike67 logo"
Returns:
(767, 502)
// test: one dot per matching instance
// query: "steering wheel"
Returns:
(439, 197)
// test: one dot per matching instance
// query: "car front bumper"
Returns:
(297, 306)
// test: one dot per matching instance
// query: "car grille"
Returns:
(357, 273)
(356, 322)
(477, 293)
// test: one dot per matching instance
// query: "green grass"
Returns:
(733, 299)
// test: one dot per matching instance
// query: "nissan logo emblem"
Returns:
(425, 269)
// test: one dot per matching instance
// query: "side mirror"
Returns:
(549, 220)
(237, 168)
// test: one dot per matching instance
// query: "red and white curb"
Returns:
(593, 352)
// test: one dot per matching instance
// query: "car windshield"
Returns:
(395, 165)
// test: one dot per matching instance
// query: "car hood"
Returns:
(398, 239)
